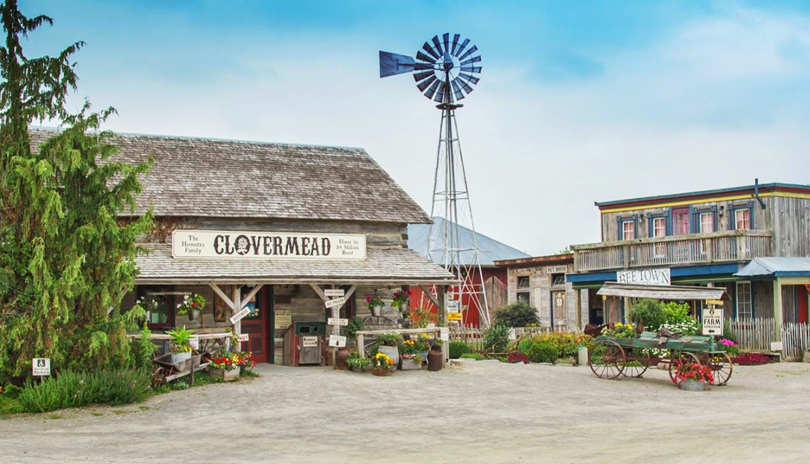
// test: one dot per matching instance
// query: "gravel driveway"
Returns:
(482, 411)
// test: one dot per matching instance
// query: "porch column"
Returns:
(777, 307)
(578, 308)
(237, 306)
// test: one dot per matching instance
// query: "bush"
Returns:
(647, 312)
(458, 348)
(517, 314)
(676, 313)
(142, 350)
(496, 338)
(567, 344)
(78, 388)
(543, 352)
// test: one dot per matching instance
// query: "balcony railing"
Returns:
(716, 247)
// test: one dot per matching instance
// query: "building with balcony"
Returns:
(721, 237)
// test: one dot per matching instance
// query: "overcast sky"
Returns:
(578, 101)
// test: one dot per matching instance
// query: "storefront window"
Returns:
(706, 223)
(157, 302)
(742, 219)
(744, 304)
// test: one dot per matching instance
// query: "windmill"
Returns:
(445, 71)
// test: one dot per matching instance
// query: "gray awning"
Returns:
(391, 265)
(776, 267)
(663, 292)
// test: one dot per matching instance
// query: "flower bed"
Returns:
(752, 359)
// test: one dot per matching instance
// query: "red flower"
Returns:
(368, 299)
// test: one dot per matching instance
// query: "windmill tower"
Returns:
(445, 71)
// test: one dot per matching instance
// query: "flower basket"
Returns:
(376, 311)
(693, 385)
(381, 371)
(227, 376)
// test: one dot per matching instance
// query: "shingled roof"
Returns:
(221, 178)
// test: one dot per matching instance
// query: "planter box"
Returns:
(181, 356)
(409, 364)
(692, 385)
(227, 376)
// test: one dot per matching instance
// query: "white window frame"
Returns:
(710, 216)
(632, 230)
(746, 220)
(746, 309)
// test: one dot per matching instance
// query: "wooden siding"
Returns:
(791, 226)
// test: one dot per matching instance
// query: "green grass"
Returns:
(96, 413)
(144, 408)
(56, 416)
(121, 412)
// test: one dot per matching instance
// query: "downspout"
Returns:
(756, 194)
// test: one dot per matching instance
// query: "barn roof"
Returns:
(224, 178)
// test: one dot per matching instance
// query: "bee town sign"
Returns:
(213, 244)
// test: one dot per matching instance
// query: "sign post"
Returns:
(336, 340)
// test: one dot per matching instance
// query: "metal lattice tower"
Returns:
(445, 72)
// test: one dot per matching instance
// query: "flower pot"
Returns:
(392, 352)
(227, 376)
(193, 314)
(180, 356)
(410, 364)
(693, 385)
(376, 311)
(435, 360)
(340, 359)
(381, 371)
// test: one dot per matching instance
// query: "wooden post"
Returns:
(361, 346)
(237, 306)
(777, 307)
(578, 308)
(441, 309)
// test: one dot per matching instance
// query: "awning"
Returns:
(383, 265)
(776, 267)
(663, 292)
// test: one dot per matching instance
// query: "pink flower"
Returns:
(368, 299)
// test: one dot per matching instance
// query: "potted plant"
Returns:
(192, 305)
(357, 363)
(181, 344)
(224, 366)
(375, 304)
(244, 359)
(411, 360)
(693, 376)
(382, 364)
(387, 343)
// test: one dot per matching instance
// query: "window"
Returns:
(745, 307)
(680, 221)
(659, 227)
(523, 286)
(706, 223)
(557, 279)
(524, 297)
(158, 303)
(523, 282)
(742, 219)
(628, 230)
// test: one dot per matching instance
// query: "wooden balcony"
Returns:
(716, 247)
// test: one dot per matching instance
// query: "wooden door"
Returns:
(256, 324)
(558, 303)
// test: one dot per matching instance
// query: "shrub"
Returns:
(675, 313)
(567, 344)
(496, 338)
(543, 352)
(517, 358)
(517, 314)
(648, 312)
(78, 388)
(458, 348)
(143, 349)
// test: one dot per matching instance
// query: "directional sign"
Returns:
(337, 341)
(309, 342)
(244, 337)
(715, 302)
(240, 315)
(337, 321)
(454, 316)
(713, 321)
(41, 366)
(335, 302)
(334, 292)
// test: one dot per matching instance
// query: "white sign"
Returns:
(776, 346)
(244, 337)
(240, 315)
(453, 306)
(712, 321)
(41, 366)
(337, 341)
(334, 292)
(267, 245)
(512, 334)
(556, 269)
(309, 342)
(335, 302)
(337, 321)
(194, 341)
(444, 334)
(659, 276)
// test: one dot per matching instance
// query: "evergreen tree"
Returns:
(66, 260)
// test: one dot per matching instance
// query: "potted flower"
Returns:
(693, 376)
(411, 360)
(400, 299)
(244, 359)
(357, 363)
(382, 364)
(181, 344)
(192, 305)
(224, 366)
(375, 304)
(387, 343)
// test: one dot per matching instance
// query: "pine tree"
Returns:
(66, 260)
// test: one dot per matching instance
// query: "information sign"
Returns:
(244, 337)
(334, 292)
(712, 321)
(444, 334)
(337, 321)
(309, 342)
(240, 315)
(41, 366)
(335, 302)
(337, 341)
(454, 317)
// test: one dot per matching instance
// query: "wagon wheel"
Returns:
(159, 376)
(606, 359)
(721, 366)
(633, 368)
(678, 358)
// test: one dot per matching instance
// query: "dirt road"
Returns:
(482, 411)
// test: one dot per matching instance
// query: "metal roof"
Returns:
(663, 292)
(742, 189)
(196, 177)
(489, 250)
(776, 267)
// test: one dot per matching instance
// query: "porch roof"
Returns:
(383, 265)
(663, 292)
(779, 266)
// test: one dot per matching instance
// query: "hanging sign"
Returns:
(337, 341)
(41, 367)
(334, 292)
(712, 321)
(240, 315)
(454, 317)
(337, 321)
(335, 302)
(715, 302)
(659, 276)
(267, 245)
(244, 337)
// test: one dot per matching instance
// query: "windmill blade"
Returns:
(425, 83)
(432, 90)
(473, 69)
(422, 57)
(423, 66)
(422, 75)
(426, 47)
(463, 85)
(455, 44)
(440, 94)
(457, 89)
(462, 47)
(469, 78)
(475, 59)
(446, 41)
(438, 45)
(468, 53)
(392, 64)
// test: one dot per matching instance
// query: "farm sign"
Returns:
(712, 321)
(214, 244)
(659, 276)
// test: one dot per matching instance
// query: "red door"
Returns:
(255, 324)
(801, 306)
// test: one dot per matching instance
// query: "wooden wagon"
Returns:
(165, 370)
(612, 357)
